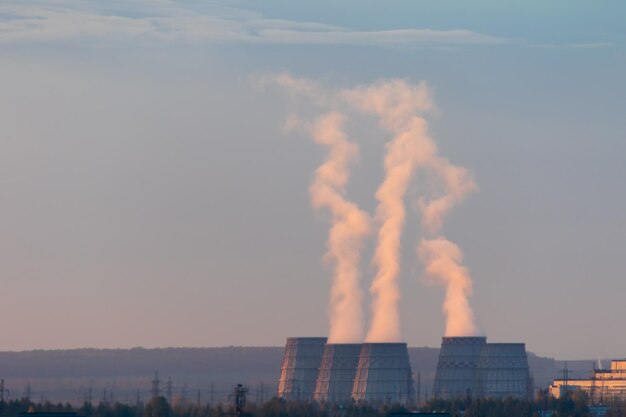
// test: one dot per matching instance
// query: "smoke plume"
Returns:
(349, 226)
(443, 261)
(399, 107)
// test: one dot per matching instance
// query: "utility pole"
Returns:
(183, 398)
(212, 393)
(138, 399)
(198, 400)
(156, 382)
(27, 392)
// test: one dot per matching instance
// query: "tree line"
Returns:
(574, 404)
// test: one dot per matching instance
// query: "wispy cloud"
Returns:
(167, 21)
(587, 45)
(384, 37)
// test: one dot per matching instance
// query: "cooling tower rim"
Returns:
(445, 339)
(308, 338)
(384, 344)
(344, 344)
(506, 344)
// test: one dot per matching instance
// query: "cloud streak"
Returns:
(166, 21)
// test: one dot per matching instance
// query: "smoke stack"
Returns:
(456, 370)
(503, 371)
(300, 367)
(383, 375)
(337, 371)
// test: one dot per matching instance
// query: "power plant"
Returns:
(469, 366)
(456, 369)
(503, 371)
(600, 386)
(335, 379)
(383, 375)
(372, 373)
(301, 364)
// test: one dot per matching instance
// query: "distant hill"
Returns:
(67, 375)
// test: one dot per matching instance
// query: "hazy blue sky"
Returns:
(149, 196)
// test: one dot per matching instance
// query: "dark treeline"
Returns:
(573, 405)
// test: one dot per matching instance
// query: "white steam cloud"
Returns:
(444, 262)
(396, 104)
(349, 226)
(399, 108)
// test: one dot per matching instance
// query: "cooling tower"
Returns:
(503, 371)
(336, 375)
(456, 370)
(383, 375)
(298, 372)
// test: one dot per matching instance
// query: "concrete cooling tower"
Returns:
(456, 370)
(299, 370)
(469, 366)
(336, 375)
(383, 375)
(503, 371)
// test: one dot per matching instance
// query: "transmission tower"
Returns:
(183, 397)
(156, 385)
(87, 400)
(3, 391)
(238, 396)
(168, 389)
(27, 392)
(565, 373)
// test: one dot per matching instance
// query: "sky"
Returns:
(151, 195)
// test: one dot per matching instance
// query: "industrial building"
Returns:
(336, 374)
(503, 371)
(469, 366)
(602, 384)
(456, 369)
(300, 367)
(383, 375)
(372, 373)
